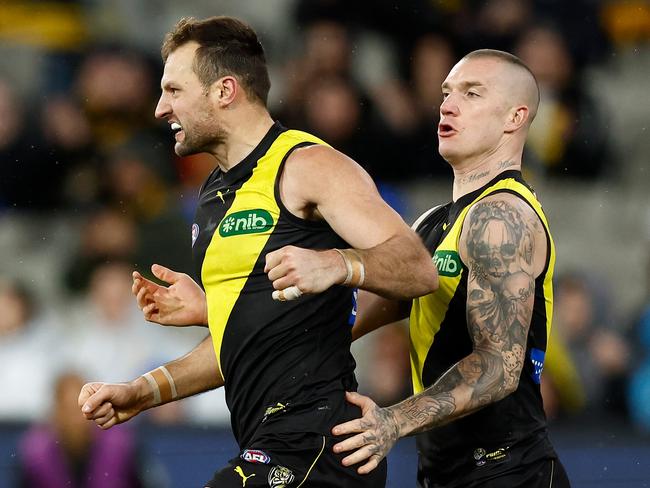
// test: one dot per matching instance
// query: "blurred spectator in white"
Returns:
(107, 336)
(28, 353)
(67, 451)
(568, 137)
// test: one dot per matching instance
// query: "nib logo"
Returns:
(448, 263)
(245, 222)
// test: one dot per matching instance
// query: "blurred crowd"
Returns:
(82, 157)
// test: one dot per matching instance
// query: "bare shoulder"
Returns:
(316, 174)
(319, 163)
(503, 228)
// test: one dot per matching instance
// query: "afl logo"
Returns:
(255, 456)
(195, 233)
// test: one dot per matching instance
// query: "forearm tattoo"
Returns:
(500, 249)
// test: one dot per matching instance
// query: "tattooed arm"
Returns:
(503, 244)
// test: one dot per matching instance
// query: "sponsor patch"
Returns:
(280, 477)
(448, 263)
(537, 358)
(255, 456)
(353, 313)
(482, 457)
(245, 222)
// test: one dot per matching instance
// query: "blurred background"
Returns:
(90, 189)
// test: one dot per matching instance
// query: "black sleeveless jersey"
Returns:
(512, 430)
(286, 365)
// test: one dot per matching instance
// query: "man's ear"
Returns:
(517, 117)
(224, 91)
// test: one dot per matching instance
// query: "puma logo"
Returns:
(240, 472)
(220, 195)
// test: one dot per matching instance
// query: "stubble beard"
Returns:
(199, 142)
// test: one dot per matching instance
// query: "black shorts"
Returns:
(292, 461)
(547, 473)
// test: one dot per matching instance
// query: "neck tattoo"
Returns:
(505, 164)
(474, 177)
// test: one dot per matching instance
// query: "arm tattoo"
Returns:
(385, 436)
(500, 244)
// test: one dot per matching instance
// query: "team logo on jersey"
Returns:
(448, 263)
(537, 358)
(482, 457)
(195, 233)
(255, 456)
(245, 222)
(479, 456)
(280, 477)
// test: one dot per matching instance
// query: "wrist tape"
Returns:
(162, 384)
(354, 266)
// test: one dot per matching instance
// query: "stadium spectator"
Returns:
(28, 353)
(67, 452)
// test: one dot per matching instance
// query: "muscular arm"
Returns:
(110, 404)
(504, 247)
(320, 183)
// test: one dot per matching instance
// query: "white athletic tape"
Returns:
(356, 271)
(154, 386)
(170, 378)
(290, 293)
(162, 385)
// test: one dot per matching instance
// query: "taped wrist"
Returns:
(162, 384)
(356, 271)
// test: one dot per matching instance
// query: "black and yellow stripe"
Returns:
(269, 352)
(440, 338)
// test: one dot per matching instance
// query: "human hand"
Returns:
(182, 303)
(310, 271)
(377, 432)
(109, 404)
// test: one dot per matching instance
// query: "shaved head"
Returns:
(518, 81)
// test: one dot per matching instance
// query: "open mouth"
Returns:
(177, 129)
(445, 130)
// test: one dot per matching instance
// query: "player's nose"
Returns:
(163, 108)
